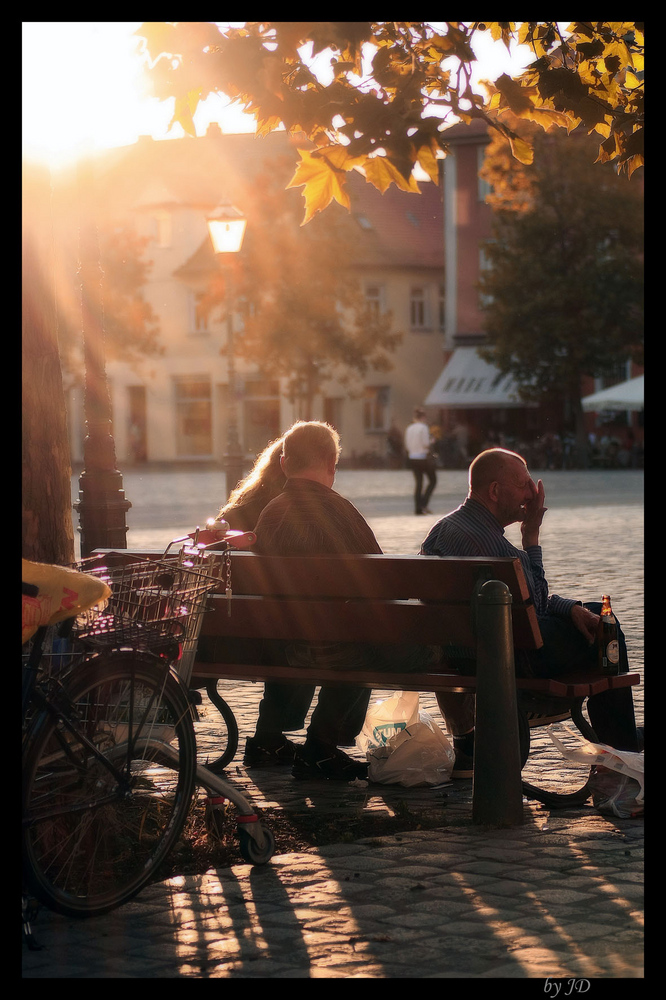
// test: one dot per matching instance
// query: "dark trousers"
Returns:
(565, 650)
(422, 467)
(337, 718)
(340, 711)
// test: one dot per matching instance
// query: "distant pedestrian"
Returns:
(418, 445)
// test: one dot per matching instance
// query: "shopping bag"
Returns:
(386, 718)
(419, 754)
(617, 784)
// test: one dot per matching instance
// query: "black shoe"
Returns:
(262, 753)
(317, 760)
(463, 766)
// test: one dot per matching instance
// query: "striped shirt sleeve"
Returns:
(471, 530)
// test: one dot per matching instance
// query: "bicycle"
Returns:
(109, 749)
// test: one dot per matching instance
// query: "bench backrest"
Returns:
(368, 598)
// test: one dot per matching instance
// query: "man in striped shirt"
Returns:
(501, 492)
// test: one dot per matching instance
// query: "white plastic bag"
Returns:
(617, 786)
(386, 718)
(419, 754)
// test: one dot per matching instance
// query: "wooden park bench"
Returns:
(475, 602)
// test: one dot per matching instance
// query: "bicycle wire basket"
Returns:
(153, 603)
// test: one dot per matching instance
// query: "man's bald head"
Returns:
(491, 466)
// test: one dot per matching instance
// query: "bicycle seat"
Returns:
(62, 593)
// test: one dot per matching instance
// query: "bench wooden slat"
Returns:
(354, 621)
(370, 577)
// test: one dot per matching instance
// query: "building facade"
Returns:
(469, 394)
(176, 407)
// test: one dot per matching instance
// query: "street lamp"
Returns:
(226, 227)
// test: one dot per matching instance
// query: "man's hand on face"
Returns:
(534, 513)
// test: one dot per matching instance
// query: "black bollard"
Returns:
(497, 790)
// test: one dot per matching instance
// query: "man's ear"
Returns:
(493, 491)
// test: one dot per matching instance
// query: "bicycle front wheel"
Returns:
(107, 784)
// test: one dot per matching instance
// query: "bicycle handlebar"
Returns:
(237, 539)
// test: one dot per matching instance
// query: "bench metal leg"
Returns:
(231, 728)
(560, 800)
(497, 790)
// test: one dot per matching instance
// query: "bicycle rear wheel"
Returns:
(104, 804)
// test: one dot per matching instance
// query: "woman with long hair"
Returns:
(262, 484)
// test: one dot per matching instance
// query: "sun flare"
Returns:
(83, 91)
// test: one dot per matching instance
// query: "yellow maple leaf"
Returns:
(380, 172)
(322, 183)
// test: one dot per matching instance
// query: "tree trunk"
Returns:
(47, 530)
(581, 454)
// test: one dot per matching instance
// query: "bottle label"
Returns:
(613, 651)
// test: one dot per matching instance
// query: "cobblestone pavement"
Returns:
(559, 897)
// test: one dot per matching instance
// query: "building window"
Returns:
(198, 316)
(418, 311)
(619, 373)
(483, 187)
(194, 416)
(162, 228)
(333, 409)
(375, 298)
(137, 429)
(376, 408)
(484, 267)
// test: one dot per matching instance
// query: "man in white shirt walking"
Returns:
(420, 460)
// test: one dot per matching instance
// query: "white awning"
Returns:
(625, 396)
(468, 382)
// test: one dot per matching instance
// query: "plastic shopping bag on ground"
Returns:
(386, 718)
(617, 784)
(419, 754)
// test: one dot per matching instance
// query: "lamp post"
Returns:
(226, 227)
(102, 504)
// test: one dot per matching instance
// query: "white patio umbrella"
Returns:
(628, 395)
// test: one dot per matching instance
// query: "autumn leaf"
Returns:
(429, 162)
(515, 97)
(522, 150)
(380, 172)
(322, 183)
(184, 109)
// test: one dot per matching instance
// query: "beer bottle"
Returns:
(607, 640)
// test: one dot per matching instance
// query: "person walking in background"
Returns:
(418, 445)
